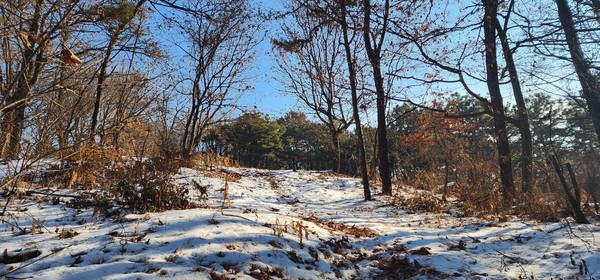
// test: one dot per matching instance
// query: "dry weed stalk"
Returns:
(300, 230)
(279, 228)
(210, 160)
(226, 198)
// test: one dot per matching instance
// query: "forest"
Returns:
(491, 107)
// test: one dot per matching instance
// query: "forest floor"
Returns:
(287, 225)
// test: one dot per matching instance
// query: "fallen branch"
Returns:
(37, 260)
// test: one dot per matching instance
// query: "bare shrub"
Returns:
(135, 185)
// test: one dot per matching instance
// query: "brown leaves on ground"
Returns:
(461, 246)
(423, 251)
(19, 257)
(133, 219)
(64, 234)
(350, 230)
(398, 267)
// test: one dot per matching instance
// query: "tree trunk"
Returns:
(12, 126)
(493, 84)
(522, 115)
(12, 123)
(360, 143)
(102, 75)
(335, 144)
(590, 85)
(101, 78)
(574, 200)
(374, 54)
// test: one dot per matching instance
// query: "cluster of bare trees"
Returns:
(114, 73)
(413, 48)
(111, 73)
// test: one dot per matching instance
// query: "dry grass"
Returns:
(137, 185)
(350, 230)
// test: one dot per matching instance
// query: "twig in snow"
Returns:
(515, 260)
(572, 233)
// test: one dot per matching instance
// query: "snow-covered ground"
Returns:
(289, 225)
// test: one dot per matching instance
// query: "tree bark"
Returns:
(352, 76)
(12, 123)
(374, 54)
(590, 85)
(493, 84)
(101, 78)
(522, 115)
(335, 141)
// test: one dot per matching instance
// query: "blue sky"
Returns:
(267, 96)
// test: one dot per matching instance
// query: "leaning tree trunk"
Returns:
(590, 86)
(574, 198)
(100, 83)
(493, 84)
(104, 65)
(522, 115)
(352, 75)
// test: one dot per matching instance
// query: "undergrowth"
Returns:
(112, 184)
(478, 194)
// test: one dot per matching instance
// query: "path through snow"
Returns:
(258, 237)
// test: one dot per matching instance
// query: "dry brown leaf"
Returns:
(25, 39)
(423, 251)
(69, 57)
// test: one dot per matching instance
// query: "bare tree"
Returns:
(431, 35)
(220, 48)
(28, 31)
(338, 13)
(314, 71)
(351, 63)
(118, 17)
(590, 84)
(497, 104)
(522, 119)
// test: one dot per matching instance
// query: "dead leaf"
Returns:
(421, 251)
(460, 246)
(25, 39)
(69, 57)
(67, 234)
(19, 257)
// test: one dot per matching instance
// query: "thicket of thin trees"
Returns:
(495, 96)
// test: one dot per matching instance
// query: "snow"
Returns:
(257, 238)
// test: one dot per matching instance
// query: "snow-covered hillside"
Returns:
(287, 225)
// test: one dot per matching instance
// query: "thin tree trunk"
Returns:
(335, 141)
(374, 54)
(493, 84)
(103, 67)
(522, 115)
(352, 75)
(446, 176)
(590, 85)
(574, 200)
(101, 78)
